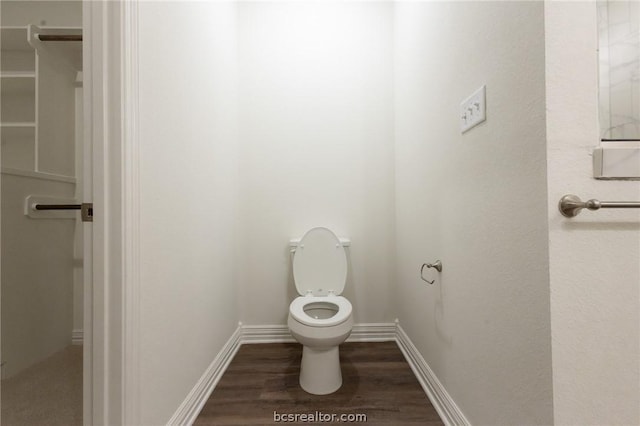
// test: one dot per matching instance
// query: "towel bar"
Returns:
(571, 205)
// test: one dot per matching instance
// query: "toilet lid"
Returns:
(320, 263)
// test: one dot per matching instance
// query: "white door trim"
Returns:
(131, 210)
(89, 383)
(111, 354)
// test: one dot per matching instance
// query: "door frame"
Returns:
(111, 322)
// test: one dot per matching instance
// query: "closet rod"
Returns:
(59, 37)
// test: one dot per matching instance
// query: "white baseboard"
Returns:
(191, 406)
(374, 332)
(266, 334)
(77, 337)
(441, 400)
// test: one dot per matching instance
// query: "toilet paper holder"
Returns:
(437, 265)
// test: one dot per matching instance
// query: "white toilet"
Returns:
(320, 319)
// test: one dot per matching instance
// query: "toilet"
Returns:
(320, 319)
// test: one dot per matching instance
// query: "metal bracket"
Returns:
(86, 212)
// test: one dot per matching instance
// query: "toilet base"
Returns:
(320, 370)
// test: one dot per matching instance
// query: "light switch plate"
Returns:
(473, 110)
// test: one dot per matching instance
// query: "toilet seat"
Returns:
(296, 309)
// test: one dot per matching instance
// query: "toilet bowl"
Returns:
(320, 319)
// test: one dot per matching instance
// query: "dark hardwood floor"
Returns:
(263, 379)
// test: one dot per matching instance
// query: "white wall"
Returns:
(188, 177)
(316, 137)
(595, 257)
(477, 202)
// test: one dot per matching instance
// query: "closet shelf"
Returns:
(38, 33)
(44, 38)
(18, 74)
(18, 124)
(38, 175)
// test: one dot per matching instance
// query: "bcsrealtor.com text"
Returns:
(318, 417)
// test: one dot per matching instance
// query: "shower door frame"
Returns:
(111, 369)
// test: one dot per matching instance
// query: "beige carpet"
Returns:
(48, 393)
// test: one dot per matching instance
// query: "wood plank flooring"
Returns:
(263, 378)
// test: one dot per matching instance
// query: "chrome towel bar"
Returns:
(571, 205)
